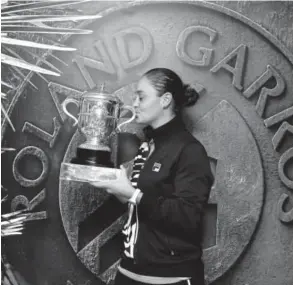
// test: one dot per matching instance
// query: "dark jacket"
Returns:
(176, 182)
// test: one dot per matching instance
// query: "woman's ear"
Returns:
(166, 100)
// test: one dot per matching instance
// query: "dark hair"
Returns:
(165, 80)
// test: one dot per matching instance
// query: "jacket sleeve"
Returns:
(184, 208)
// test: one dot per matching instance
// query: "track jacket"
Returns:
(176, 182)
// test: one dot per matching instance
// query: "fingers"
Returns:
(122, 167)
(123, 170)
(99, 184)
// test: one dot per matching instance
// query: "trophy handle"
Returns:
(131, 109)
(64, 104)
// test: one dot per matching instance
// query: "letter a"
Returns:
(237, 70)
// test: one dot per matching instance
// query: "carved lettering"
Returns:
(286, 156)
(207, 53)
(21, 200)
(285, 217)
(280, 134)
(37, 216)
(283, 129)
(55, 89)
(106, 65)
(40, 154)
(30, 128)
(271, 72)
(240, 54)
(147, 46)
(277, 118)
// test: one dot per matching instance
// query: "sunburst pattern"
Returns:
(28, 29)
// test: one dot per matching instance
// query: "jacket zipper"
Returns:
(137, 235)
(171, 251)
(134, 256)
(135, 250)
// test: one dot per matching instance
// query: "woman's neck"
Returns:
(162, 121)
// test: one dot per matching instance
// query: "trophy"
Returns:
(97, 120)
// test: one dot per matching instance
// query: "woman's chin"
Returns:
(138, 119)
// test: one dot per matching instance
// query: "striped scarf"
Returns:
(130, 229)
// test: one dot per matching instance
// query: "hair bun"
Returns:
(190, 95)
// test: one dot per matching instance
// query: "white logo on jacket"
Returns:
(156, 167)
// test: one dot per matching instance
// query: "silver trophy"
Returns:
(98, 118)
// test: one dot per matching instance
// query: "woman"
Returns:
(168, 191)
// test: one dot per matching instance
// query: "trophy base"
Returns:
(92, 157)
(87, 173)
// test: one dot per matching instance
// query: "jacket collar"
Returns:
(164, 132)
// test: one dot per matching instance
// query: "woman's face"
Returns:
(147, 104)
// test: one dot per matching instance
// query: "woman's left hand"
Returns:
(120, 187)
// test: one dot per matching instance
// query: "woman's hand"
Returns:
(120, 187)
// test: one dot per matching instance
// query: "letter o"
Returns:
(40, 154)
(284, 158)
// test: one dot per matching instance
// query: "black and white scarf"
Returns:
(130, 229)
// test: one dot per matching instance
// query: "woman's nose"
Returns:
(135, 102)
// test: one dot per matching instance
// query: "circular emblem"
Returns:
(237, 69)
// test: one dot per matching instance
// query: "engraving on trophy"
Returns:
(98, 124)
